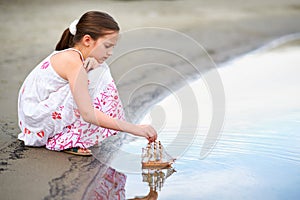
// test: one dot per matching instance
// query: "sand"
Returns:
(30, 30)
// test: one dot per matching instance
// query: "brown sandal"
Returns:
(78, 151)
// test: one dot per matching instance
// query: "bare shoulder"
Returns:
(66, 61)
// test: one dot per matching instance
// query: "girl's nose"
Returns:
(109, 53)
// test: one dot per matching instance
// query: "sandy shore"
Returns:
(29, 32)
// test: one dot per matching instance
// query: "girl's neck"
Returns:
(83, 50)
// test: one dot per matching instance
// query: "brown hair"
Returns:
(93, 23)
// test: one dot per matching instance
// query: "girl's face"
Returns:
(103, 47)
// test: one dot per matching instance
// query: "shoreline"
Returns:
(225, 30)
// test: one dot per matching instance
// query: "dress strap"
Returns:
(81, 56)
(73, 49)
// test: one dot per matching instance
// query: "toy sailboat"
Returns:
(155, 156)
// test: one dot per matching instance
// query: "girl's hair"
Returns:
(93, 23)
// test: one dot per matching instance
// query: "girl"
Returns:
(67, 104)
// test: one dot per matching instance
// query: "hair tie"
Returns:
(72, 27)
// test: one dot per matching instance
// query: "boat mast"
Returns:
(160, 151)
(154, 152)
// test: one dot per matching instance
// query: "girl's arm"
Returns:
(78, 80)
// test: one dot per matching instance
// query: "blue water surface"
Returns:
(257, 154)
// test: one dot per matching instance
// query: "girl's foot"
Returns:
(78, 151)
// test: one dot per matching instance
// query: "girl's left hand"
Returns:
(90, 64)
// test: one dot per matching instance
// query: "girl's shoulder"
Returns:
(64, 61)
(66, 57)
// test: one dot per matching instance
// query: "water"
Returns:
(257, 155)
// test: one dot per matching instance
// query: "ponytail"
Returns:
(93, 23)
(66, 41)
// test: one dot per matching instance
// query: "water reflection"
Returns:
(107, 184)
(155, 179)
(257, 156)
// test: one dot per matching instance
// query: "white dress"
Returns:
(49, 116)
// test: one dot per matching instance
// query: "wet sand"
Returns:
(29, 32)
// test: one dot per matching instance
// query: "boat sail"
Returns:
(155, 156)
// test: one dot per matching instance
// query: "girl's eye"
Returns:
(108, 46)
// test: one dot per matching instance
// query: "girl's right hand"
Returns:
(148, 132)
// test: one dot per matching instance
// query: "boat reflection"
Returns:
(152, 195)
(155, 178)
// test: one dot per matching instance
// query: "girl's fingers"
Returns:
(149, 133)
(152, 139)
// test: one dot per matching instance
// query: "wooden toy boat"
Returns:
(155, 156)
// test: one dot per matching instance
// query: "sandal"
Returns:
(78, 151)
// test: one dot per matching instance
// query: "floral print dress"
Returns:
(48, 115)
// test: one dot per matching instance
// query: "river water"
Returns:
(257, 153)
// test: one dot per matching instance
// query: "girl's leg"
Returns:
(106, 99)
